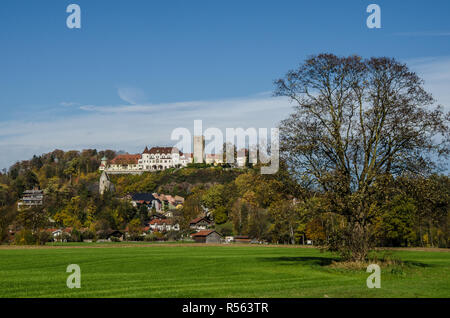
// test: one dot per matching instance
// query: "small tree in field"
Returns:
(355, 121)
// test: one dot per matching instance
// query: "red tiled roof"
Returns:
(160, 221)
(196, 220)
(51, 230)
(164, 150)
(126, 159)
(203, 233)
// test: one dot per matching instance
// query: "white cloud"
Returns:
(68, 104)
(436, 73)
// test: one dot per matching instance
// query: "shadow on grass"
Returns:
(300, 260)
(323, 261)
(417, 264)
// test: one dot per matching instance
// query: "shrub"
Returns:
(76, 236)
(43, 237)
(135, 237)
(150, 238)
(24, 237)
(66, 237)
(173, 235)
(88, 235)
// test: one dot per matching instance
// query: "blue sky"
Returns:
(138, 69)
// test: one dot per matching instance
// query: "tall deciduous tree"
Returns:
(355, 120)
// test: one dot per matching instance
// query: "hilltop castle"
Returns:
(161, 158)
(153, 159)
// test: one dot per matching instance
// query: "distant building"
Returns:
(163, 225)
(153, 159)
(160, 202)
(147, 199)
(242, 239)
(214, 159)
(207, 236)
(200, 223)
(104, 162)
(199, 149)
(162, 158)
(169, 202)
(241, 159)
(229, 239)
(105, 183)
(31, 198)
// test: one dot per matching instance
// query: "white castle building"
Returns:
(153, 159)
(161, 158)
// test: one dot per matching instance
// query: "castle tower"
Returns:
(199, 149)
(104, 162)
(105, 183)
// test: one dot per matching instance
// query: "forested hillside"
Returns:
(410, 212)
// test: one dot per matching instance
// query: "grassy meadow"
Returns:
(176, 270)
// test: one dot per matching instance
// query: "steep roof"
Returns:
(126, 159)
(196, 220)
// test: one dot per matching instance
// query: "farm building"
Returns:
(242, 239)
(207, 236)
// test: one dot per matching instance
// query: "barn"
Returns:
(207, 236)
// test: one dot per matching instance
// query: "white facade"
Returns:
(157, 158)
(161, 158)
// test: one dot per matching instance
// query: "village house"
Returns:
(57, 234)
(163, 225)
(169, 202)
(200, 223)
(31, 198)
(147, 199)
(159, 202)
(207, 236)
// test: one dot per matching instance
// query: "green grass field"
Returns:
(168, 270)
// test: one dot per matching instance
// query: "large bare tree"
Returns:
(355, 121)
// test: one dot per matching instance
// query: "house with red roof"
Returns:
(200, 223)
(163, 225)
